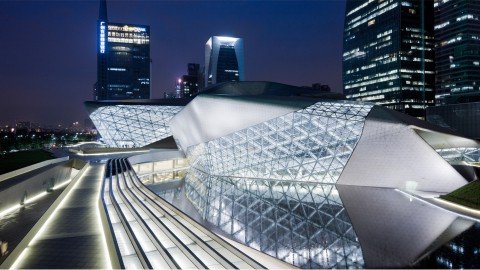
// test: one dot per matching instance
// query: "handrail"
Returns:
(157, 221)
(198, 263)
(112, 245)
(16, 253)
(126, 225)
(139, 219)
(199, 226)
(178, 224)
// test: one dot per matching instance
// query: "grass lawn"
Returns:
(13, 161)
(468, 195)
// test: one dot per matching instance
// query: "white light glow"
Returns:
(46, 225)
(133, 125)
(18, 206)
(62, 184)
(102, 37)
(227, 39)
(112, 153)
(106, 254)
(453, 205)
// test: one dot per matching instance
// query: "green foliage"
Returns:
(13, 161)
(468, 195)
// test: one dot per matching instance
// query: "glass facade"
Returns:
(224, 60)
(272, 185)
(460, 154)
(457, 50)
(227, 66)
(133, 125)
(388, 54)
(462, 118)
(188, 86)
(123, 60)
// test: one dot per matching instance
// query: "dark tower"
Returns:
(123, 59)
(457, 51)
(388, 54)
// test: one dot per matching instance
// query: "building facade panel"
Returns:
(133, 125)
(123, 60)
(457, 48)
(224, 60)
(388, 54)
(311, 145)
(463, 118)
(275, 185)
(391, 154)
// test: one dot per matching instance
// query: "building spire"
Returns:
(102, 14)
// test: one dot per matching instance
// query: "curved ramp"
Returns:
(151, 233)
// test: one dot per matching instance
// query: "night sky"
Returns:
(48, 49)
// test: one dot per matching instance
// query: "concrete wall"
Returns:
(35, 166)
(33, 185)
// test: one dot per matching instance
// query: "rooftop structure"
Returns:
(133, 123)
(136, 123)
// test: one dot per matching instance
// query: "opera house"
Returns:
(307, 178)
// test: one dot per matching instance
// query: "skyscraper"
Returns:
(189, 83)
(457, 66)
(123, 59)
(388, 53)
(457, 51)
(224, 60)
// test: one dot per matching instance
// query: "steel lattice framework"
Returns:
(466, 154)
(272, 185)
(133, 125)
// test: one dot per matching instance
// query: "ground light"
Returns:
(99, 219)
(44, 226)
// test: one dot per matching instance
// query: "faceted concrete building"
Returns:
(224, 60)
(262, 149)
(316, 181)
(134, 123)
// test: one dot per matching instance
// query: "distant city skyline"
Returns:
(49, 58)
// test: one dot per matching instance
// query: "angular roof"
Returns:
(262, 88)
(93, 105)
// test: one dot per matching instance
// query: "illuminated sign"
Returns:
(102, 37)
(127, 28)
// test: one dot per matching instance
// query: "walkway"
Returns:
(151, 233)
(72, 238)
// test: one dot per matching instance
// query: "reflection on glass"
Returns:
(314, 225)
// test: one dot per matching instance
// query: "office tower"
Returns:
(457, 51)
(388, 54)
(457, 60)
(224, 60)
(123, 59)
(188, 85)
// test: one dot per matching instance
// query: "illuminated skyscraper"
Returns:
(457, 51)
(188, 85)
(224, 60)
(388, 54)
(123, 60)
